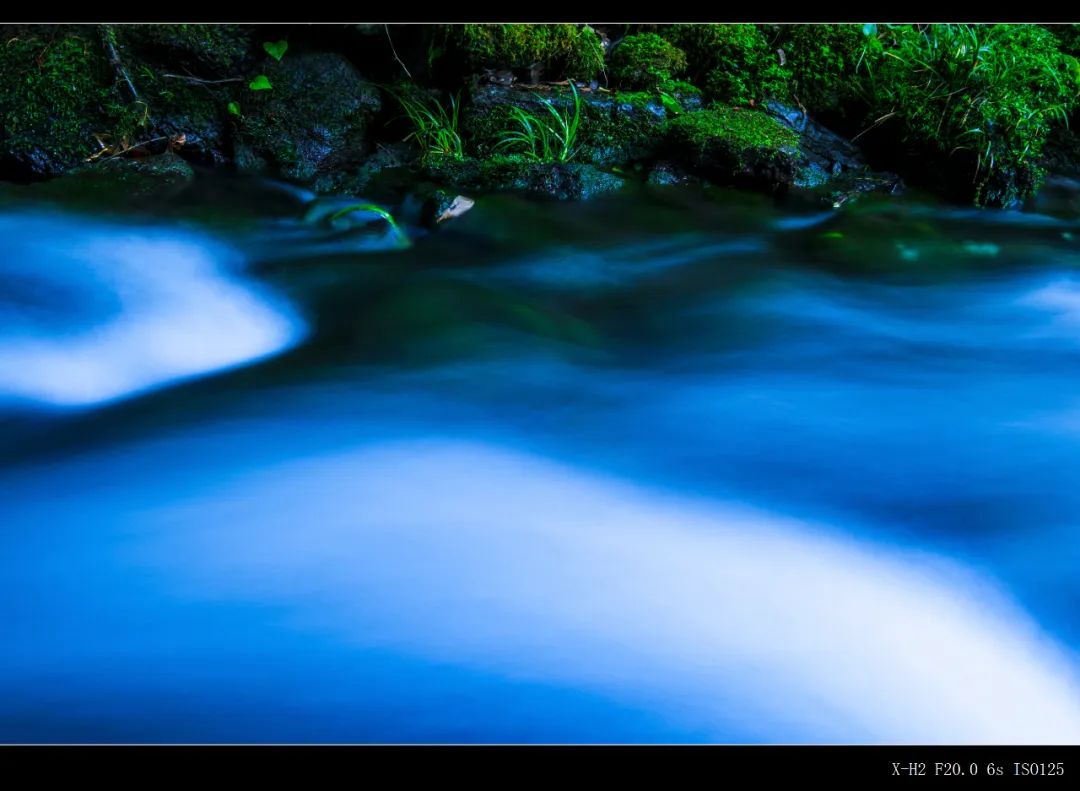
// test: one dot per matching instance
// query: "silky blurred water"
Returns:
(678, 465)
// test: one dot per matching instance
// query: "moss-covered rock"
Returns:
(561, 51)
(645, 61)
(776, 148)
(736, 64)
(205, 51)
(312, 120)
(737, 146)
(823, 61)
(56, 94)
(559, 180)
(668, 174)
(615, 128)
(188, 75)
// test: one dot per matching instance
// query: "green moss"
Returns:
(680, 88)
(645, 61)
(822, 60)
(562, 50)
(743, 130)
(57, 94)
(739, 146)
(736, 64)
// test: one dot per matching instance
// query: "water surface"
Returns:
(676, 465)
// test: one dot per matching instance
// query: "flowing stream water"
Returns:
(678, 465)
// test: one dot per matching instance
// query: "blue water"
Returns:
(674, 466)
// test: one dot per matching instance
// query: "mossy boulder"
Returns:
(58, 96)
(206, 51)
(558, 180)
(736, 64)
(737, 146)
(312, 120)
(188, 75)
(776, 148)
(559, 51)
(645, 61)
(823, 63)
(616, 128)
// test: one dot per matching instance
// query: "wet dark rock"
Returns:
(120, 181)
(824, 155)
(204, 51)
(666, 174)
(359, 179)
(430, 205)
(1061, 155)
(311, 122)
(558, 180)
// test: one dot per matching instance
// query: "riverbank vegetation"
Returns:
(975, 113)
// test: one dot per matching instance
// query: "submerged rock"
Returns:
(433, 205)
(666, 174)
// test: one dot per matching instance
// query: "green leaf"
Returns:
(234, 108)
(260, 83)
(671, 104)
(869, 29)
(276, 49)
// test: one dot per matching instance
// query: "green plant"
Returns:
(434, 128)
(234, 108)
(671, 104)
(276, 49)
(645, 61)
(991, 91)
(260, 83)
(550, 137)
(379, 212)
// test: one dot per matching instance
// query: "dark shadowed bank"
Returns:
(417, 114)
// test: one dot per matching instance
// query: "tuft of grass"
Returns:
(992, 91)
(435, 128)
(548, 137)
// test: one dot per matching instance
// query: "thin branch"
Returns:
(201, 81)
(387, 29)
(110, 43)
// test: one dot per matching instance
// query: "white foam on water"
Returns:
(715, 616)
(182, 310)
